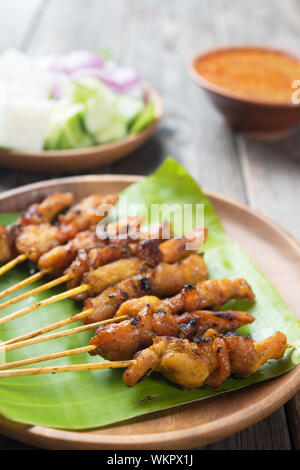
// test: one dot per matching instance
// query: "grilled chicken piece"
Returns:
(110, 274)
(160, 232)
(175, 249)
(207, 294)
(87, 212)
(123, 229)
(129, 228)
(101, 278)
(165, 279)
(87, 260)
(7, 246)
(111, 250)
(44, 212)
(47, 210)
(209, 361)
(120, 341)
(60, 257)
(35, 240)
(148, 250)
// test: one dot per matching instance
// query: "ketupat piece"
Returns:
(24, 122)
(208, 361)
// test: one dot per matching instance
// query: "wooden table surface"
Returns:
(158, 38)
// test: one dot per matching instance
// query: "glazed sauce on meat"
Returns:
(254, 74)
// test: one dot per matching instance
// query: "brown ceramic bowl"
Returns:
(258, 118)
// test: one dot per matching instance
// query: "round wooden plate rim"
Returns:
(185, 438)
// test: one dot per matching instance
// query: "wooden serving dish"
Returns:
(82, 159)
(256, 118)
(205, 421)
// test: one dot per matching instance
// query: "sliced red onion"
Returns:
(54, 64)
(60, 82)
(83, 59)
(121, 79)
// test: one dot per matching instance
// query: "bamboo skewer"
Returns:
(46, 357)
(37, 290)
(43, 303)
(24, 283)
(41, 339)
(53, 326)
(11, 264)
(68, 368)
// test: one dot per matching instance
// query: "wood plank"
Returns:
(270, 169)
(163, 37)
(293, 415)
(77, 24)
(269, 434)
(177, 33)
(10, 444)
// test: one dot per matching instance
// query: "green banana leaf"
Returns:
(80, 400)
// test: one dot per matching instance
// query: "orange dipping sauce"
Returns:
(252, 73)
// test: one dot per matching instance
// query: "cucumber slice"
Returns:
(129, 107)
(146, 116)
(116, 130)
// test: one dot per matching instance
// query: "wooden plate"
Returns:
(187, 426)
(82, 159)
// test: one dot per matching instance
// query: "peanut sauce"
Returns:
(255, 74)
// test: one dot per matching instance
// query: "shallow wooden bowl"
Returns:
(209, 420)
(82, 159)
(259, 119)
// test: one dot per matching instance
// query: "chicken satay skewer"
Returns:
(60, 334)
(101, 278)
(64, 254)
(28, 237)
(164, 279)
(52, 327)
(26, 282)
(11, 264)
(68, 368)
(114, 253)
(43, 303)
(37, 290)
(46, 357)
(133, 333)
(211, 362)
